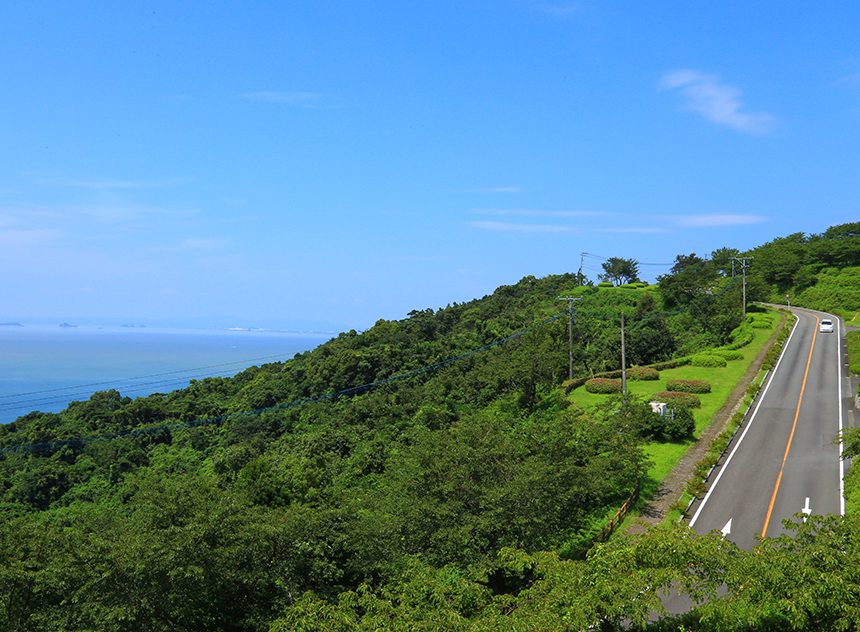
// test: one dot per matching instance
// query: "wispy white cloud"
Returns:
(720, 219)
(601, 227)
(304, 99)
(533, 213)
(199, 243)
(849, 81)
(15, 242)
(561, 9)
(522, 228)
(114, 184)
(178, 98)
(489, 190)
(561, 228)
(646, 230)
(77, 221)
(716, 101)
(500, 190)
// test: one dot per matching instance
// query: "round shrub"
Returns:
(688, 386)
(603, 385)
(605, 284)
(677, 400)
(679, 424)
(642, 373)
(709, 361)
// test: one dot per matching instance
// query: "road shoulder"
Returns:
(656, 509)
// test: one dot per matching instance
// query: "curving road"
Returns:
(783, 460)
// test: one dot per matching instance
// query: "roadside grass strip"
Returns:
(664, 456)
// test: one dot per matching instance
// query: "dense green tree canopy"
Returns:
(618, 270)
(461, 497)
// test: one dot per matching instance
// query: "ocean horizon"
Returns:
(45, 367)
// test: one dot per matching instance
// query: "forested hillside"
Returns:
(428, 473)
(817, 271)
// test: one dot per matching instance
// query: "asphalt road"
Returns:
(783, 460)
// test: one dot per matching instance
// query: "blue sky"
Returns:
(322, 165)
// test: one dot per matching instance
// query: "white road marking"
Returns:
(749, 424)
(841, 426)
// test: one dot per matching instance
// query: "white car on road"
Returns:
(826, 326)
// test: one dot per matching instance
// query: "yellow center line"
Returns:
(791, 436)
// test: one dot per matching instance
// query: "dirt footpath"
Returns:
(671, 489)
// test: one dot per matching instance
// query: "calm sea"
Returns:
(45, 367)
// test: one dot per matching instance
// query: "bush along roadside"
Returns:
(677, 399)
(688, 386)
(603, 385)
(640, 373)
(709, 361)
(697, 485)
(852, 339)
(774, 352)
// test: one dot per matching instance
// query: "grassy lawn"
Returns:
(665, 456)
(853, 340)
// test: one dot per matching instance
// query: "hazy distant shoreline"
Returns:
(72, 325)
(45, 367)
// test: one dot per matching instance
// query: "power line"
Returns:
(142, 377)
(55, 445)
(134, 384)
(743, 261)
(570, 300)
(588, 254)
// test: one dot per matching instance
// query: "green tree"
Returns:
(779, 260)
(650, 339)
(619, 271)
(690, 279)
(460, 494)
(723, 260)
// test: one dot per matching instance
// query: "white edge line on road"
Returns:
(839, 381)
(749, 423)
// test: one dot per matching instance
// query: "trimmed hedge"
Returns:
(671, 364)
(759, 321)
(642, 373)
(708, 361)
(569, 385)
(605, 284)
(575, 383)
(688, 386)
(678, 400)
(603, 385)
(728, 354)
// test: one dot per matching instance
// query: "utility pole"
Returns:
(570, 300)
(623, 364)
(743, 261)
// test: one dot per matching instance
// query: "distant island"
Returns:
(67, 325)
(11, 325)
